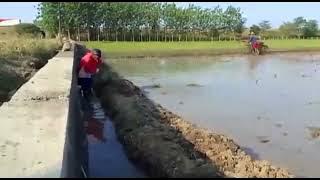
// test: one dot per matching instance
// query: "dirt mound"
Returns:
(168, 146)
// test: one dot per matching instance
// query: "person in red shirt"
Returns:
(88, 66)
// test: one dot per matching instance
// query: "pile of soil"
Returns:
(164, 144)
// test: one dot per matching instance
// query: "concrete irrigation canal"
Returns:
(49, 130)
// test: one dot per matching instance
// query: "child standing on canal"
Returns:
(89, 66)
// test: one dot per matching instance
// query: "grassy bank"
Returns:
(20, 59)
(163, 49)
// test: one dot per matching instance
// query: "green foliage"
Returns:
(310, 29)
(300, 27)
(153, 21)
(265, 25)
(256, 29)
(25, 28)
(289, 29)
(48, 15)
(133, 20)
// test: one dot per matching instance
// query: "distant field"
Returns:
(140, 49)
(134, 49)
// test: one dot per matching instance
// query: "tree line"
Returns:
(147, 21)
(138, 21)
(299, 27)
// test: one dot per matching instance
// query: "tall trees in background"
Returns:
(298, 28)
(147, 21)
(138, 21)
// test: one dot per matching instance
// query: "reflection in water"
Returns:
(237, 90)
(107, 158)
(254, 62)
(95, 128)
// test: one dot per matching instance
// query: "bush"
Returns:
(30, 29)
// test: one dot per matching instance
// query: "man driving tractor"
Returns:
(252, 40)
(256, 46)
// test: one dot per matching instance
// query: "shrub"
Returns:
(29, 29)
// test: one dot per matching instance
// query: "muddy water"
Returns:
(265, 103)
(107, 158)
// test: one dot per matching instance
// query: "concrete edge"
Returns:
(75, 150)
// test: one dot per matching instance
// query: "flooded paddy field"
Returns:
(268, 104)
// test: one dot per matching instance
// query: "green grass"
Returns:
(115, 49)
(293, 44)
(141, 49)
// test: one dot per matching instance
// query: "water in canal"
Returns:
(107, 158)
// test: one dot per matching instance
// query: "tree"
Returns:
(168, 17)
(310, 29)
(289, 29)
(233, 19)
(256, 29)
(264, 26)
(47, 17)
(26, 28)
(115, 20)
(240, 28)
(299, 22)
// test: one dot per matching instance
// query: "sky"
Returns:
(26, 11)
(255, 12)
